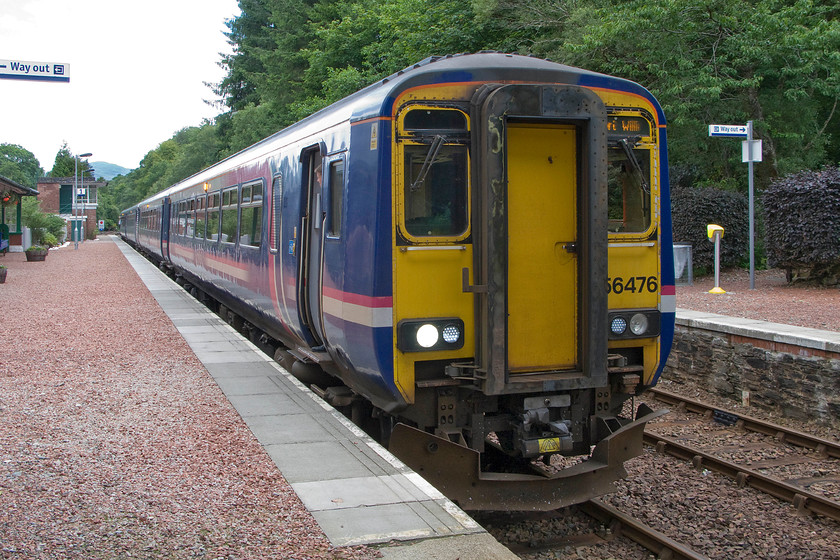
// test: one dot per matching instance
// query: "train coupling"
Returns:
(555, 436)
(456, 470)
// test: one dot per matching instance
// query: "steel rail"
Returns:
(630, 527)
(781, 433)
(803, 500)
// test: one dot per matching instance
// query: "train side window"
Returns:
(190, 232)
(628, 188)
(182, 217)
(213, 217)
(200, 217)
(250, 226)
(230, 216)
(276, 212)
(336, 185)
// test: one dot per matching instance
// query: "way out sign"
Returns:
(728, 130)
(37, 71)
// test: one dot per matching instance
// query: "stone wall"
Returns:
(785, 379)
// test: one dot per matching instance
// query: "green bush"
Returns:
(49, 240)
(802, 216)
(693, 208)
(40, 223)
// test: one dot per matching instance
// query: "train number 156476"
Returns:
(633, 284)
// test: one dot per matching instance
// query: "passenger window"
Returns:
(230, 216)
(200, 218)
(213, 217)
(250, 227)
(336, 197)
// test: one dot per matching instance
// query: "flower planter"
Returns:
(35, 255)
(3, 272)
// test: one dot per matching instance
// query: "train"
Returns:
(471, 257)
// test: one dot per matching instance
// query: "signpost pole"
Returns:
(752, 205)
(751, 152)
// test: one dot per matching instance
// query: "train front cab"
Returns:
(507, 287)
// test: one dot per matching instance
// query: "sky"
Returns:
(137, 74)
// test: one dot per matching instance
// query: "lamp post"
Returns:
(77, 230)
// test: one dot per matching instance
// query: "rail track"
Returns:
(794, 491)
(610, 525)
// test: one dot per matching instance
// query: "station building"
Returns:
(78, 208)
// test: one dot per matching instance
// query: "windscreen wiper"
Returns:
(631, 157)
(437, 144)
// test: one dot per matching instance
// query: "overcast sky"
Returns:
(137, 73)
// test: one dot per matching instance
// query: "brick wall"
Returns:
(49, 197)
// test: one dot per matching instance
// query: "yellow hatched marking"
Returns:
(550, 445)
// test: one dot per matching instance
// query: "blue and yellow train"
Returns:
(477, 253)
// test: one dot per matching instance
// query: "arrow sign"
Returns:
(729, 130)
(38, 71)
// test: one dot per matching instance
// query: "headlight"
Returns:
(634, 323)
(618, 325)
(451, 334)
(425, 335)
(638, 324)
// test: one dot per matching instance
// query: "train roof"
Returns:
(376, 100)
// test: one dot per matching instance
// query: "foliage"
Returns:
(49, 240)
(293, 57)
(803, 223)
(774, 62)
(708, 61)
(40, 223)
(65, 164)
(19, 165)
(188, 152)
(694, 208)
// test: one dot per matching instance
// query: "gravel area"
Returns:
(772, 299)
(115, 442)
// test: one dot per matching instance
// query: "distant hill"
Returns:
(108, 170)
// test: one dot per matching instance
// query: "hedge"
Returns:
(802, 216)
(693, 208)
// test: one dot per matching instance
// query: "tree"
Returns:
(65, 163)
(19, 165)
(708, 61)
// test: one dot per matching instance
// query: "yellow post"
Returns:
(715, 233)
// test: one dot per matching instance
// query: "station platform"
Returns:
(806, 341)
(356, 490)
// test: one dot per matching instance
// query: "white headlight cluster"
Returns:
(418, 335)
(629, 324)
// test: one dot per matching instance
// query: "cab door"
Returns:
(540, 233)
(542, 263)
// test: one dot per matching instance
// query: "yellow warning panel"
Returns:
(549, 445)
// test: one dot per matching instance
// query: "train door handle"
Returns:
(466, 287)
(570, 247)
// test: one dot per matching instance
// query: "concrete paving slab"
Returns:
(273, 404)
